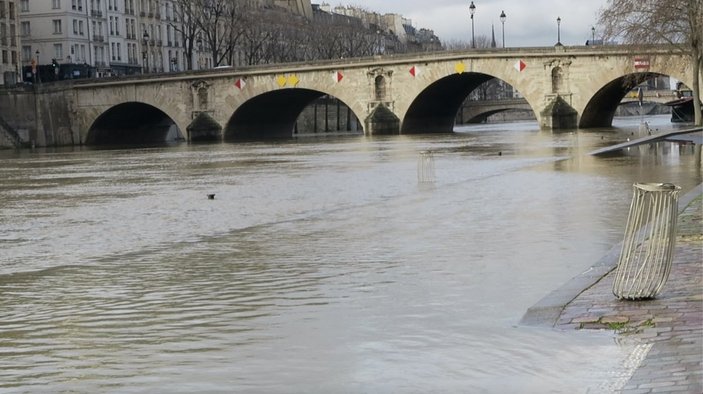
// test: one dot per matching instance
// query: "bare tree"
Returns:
(675, 22)
(185, 23)
(459, 45)
(220, 26)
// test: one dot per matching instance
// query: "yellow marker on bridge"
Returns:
(293, 80)
(459, 68)
(281, 80)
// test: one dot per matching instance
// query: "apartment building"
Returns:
(114, 37)
(9, 41)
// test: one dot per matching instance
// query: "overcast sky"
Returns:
(528, 22)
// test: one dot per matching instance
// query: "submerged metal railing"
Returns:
(425, 168)
(648, 246)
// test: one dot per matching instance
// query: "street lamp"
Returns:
(145, 36)
(558, 30)
(378, 39)
(199, 41)
(502, 20)
(472, 9)
(593, 35)
(37, 73)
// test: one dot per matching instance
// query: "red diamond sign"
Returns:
(520, 65)
(338, 76)
(414, 71)
(240, 84)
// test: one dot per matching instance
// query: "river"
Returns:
(322, 265)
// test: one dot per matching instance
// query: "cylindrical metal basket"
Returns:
(425, 168)
(648, 245)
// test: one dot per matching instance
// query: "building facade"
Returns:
(9, 41)
(109, 37)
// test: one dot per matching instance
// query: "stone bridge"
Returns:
(566, 87)
(477, 111)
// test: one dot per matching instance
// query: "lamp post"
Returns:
(200, 54)
(472, 9)
(502, 20)
(378, 41)
(593, 35)
(145, 36)
(38, 74)
(558, 30)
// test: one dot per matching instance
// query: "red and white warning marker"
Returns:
(520, 65)
(414, 71)
(240, 83)
(641, 63)
(338, 76)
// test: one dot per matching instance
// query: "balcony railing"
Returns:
(98, 38)
(96, 13)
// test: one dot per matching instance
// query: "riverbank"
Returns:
(670, 327)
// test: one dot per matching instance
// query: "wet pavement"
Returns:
(668, 329)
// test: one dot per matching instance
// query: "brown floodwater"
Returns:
(321, 265)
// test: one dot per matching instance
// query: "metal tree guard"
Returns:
(647, 252)
(425, 168)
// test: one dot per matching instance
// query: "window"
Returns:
(119, 52)
(117, 26)
(55, 4)
(26, 53)
(57, 26)
(5, 59)
(58, 51)
(24, 5)
(75, 26)
(12, 10)
(14, 57)
(80, 27)
(3, 34)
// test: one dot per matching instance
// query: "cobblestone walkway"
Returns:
(672, 323)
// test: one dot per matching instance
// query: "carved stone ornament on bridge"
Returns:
(201, 95)
(380, 80)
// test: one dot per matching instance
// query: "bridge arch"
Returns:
(272, 114)
(600, 109)
(597, 101)
(133, 123)
(435, 108)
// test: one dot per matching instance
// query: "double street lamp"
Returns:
(558, 30)
(472, 9)
(502, 20)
